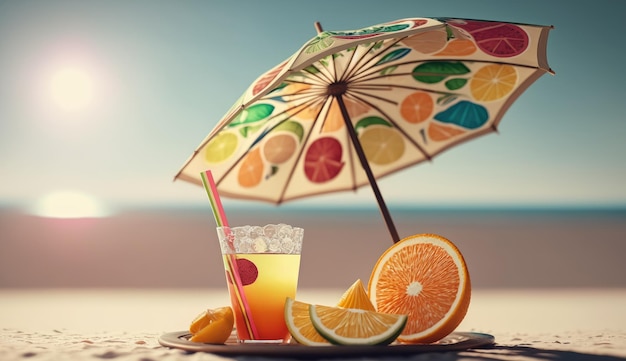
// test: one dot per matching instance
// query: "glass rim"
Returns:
(264, 225)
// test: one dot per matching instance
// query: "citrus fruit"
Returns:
(417, 107)
(382, 145)
(425, 277)
(212, 326)
(299, 324)
(221, 147)
(251, 171)
(350, 326)
(279, 148)
(322, 161)
(356, 297)
(493, 82)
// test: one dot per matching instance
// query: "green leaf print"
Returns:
(252, 114)
(456, 83)
(434, 72)
(394, 55)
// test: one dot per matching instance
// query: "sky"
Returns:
(105, 100)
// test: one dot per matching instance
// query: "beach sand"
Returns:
(528, 324)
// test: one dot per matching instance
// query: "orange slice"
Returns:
(299, 324)
(356, 297)
(349, 326)
(425, 277)
(212, 326)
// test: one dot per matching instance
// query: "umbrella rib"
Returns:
(395, 124)
(362, 67)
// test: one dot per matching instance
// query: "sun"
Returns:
(71, 88)
(69, 204)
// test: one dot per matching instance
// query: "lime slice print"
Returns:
(293, 127)
(382, 145)
(322, 161)
(221, 147)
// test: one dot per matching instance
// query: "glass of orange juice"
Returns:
(267, 259)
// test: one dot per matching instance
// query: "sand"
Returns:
(126, 324)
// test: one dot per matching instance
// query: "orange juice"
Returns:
(268, 279)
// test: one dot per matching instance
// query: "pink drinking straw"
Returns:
(233, 274)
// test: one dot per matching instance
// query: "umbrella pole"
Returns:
(370, 176)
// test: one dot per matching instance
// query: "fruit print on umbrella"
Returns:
(405, 91)
(494, 38)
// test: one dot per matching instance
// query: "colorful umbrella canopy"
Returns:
(352, 106)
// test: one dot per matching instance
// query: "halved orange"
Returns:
(425, 277)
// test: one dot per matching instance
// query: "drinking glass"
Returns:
(267, 262)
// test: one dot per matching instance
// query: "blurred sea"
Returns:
(177, 247)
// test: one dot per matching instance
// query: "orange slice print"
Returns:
(441, 132)
(458, 47)
(279, 148)
(251, 170)
(417, 107)
(493, 82)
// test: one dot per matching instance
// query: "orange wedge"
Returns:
(356, 297)
(349, 326)
(425, 277)
(212, 326)
(299, 324)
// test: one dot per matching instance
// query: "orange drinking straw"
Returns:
(233, 274)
